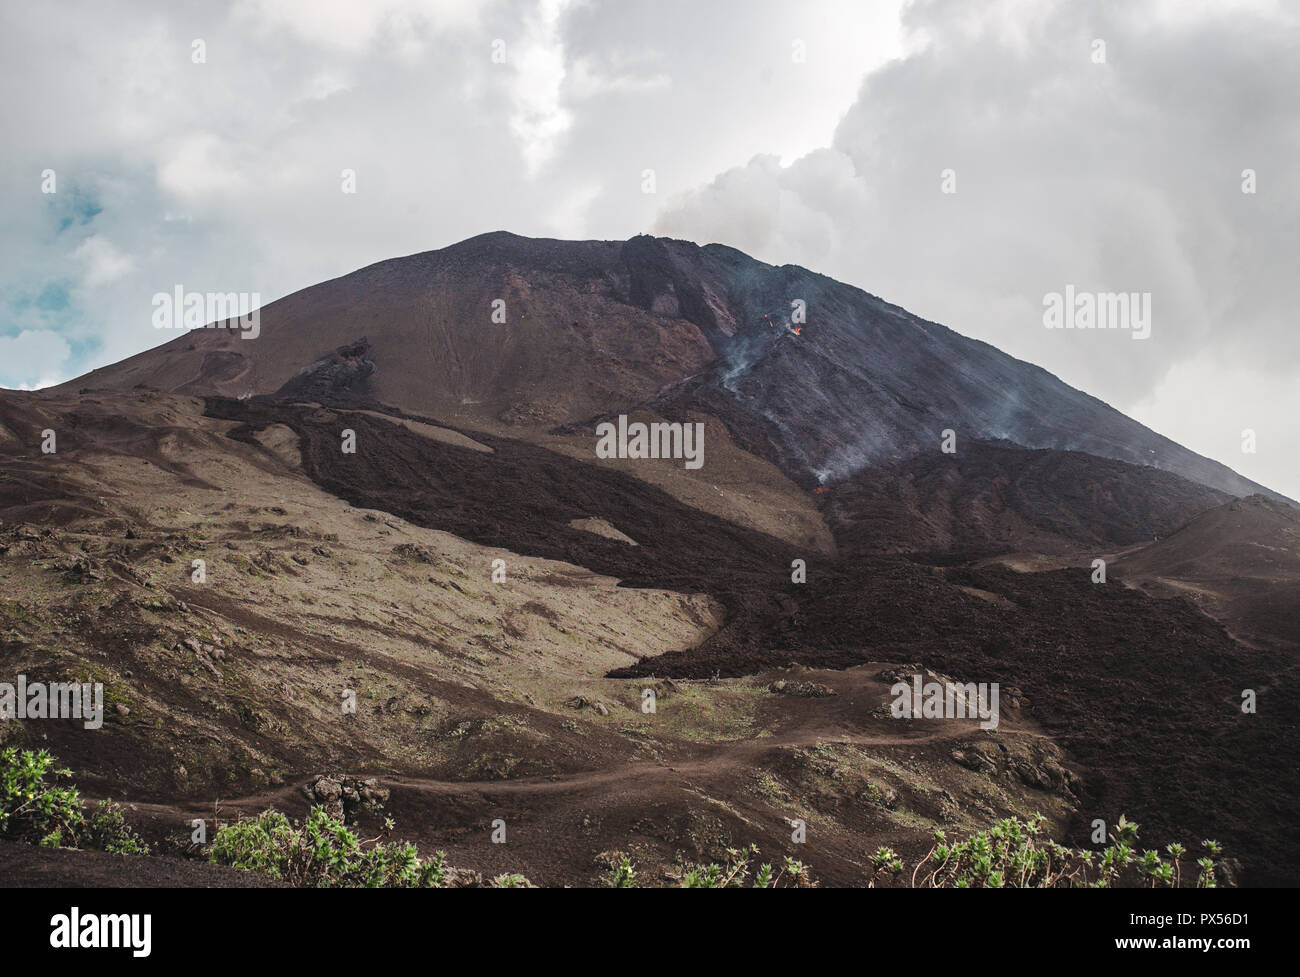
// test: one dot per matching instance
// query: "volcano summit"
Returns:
(588, 328)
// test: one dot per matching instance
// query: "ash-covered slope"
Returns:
(1254, 534)
(994, 497)
(1239, 561)
(593, 328)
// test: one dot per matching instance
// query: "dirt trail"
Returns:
(541, 810)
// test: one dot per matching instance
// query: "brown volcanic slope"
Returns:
(594, 327)
(466, 684)
(1240, 561)
(992, 497)
(1092, 659)
(223, 696)
(568, 349)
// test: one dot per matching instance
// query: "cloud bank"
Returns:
(1104, 146)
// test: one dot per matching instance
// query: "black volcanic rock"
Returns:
(345, 373)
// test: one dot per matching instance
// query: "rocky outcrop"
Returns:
(347, 797)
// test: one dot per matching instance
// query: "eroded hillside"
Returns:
(522, 697)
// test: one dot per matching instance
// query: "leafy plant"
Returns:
(1011, 854)
(31, 808)
(36, 809)
(732, 873)
(106, 830)
(510, 881)
(623, 875)
(322, 852)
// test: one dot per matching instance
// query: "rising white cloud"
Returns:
(102, 261)
(539, 117)
(43, 347)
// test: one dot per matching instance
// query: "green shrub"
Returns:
(510, 881)
(261, 844)
(622, 875)
(36, 810)
(323, 852)
(1008, 855)
(106, 830)
(1011, 855)
(733, 873)
(31, 809)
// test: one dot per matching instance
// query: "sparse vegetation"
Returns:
(733, 873)
(323, 852)
(622, 875)
(36, 809)
(106, 830)
(511, 880)
(1012, 855)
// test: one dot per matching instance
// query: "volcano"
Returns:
(396, 488)
(538, 334)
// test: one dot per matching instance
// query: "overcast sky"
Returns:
(811, 133)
